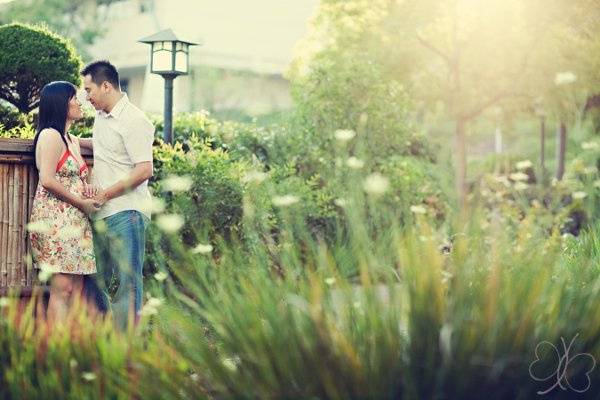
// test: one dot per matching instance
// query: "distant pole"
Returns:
(561, 149)
(543, 145)
(498, 141)
(168, 111)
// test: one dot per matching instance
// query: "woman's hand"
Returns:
(88, 206)
(89, 191)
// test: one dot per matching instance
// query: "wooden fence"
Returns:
(18, 183)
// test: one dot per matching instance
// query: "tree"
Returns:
(338, 82)
(31, 57)
(471, 56)
(80, 20)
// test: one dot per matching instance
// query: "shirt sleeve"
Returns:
(138, 139)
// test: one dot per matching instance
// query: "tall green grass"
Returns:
(378, 309)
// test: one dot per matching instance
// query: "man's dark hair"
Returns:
(101, 71)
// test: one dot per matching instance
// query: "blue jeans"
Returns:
(119, 252)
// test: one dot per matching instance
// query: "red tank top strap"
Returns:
(63, 159)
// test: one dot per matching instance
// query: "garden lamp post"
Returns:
(169, 58)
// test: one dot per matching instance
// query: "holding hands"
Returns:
(93, 198)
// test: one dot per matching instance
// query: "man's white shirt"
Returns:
(121, 138)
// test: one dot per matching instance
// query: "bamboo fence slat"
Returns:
(3, 225)
(32, 184)
(23, 218)
(11, 225)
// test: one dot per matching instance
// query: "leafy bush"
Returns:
(23, 130)
(202, 186)
(213, 203)
(9, 116)
(31, 57)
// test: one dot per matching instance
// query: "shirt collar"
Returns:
(118, 108)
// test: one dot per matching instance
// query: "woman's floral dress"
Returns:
(61, 238)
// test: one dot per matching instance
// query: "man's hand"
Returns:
(100, 198)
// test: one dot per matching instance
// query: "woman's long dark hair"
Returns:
(54, 109)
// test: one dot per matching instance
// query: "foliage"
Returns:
(31, 57)
(83, 21)
(213, 203)
(23, 130)
(338, 84)
(9, 116)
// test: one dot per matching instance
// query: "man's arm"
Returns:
(140, 173)
(86, 143)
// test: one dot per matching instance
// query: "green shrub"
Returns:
(23, 130)
(31, 57)
(212, 205)
(9, 116)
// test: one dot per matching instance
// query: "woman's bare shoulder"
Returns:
(50, 137)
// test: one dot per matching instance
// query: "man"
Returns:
(122, 144)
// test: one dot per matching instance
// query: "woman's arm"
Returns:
(51, 148)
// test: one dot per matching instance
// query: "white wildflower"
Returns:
(503, 179)
(521, 165)
(344, 135)
(230, 363)
(176, 183)
(202, 249)
(3, 302)
(170, 223)
(254, 176)
(71, 231)
(38, 227)
(355, 163)
(340, 202)
(521, 186)
(519, 176)
(100, 226)
(285, 201)
(46, 272)
(590, 145)
(88, 376)
(376, 184)
(151, 306)
(362, 120)
(161, 276)
(445, 340)
(579, 195)
(330, 281)
(418, 209)
(153, 205)
(565, 78)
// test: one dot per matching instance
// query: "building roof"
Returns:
(257, 35)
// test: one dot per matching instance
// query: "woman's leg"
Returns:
(65, 290)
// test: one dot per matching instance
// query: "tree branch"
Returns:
(434, 49)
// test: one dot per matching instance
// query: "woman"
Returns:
(64, 246)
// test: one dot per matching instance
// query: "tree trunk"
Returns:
(461, 164)
(560, 150)
(543, 146)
